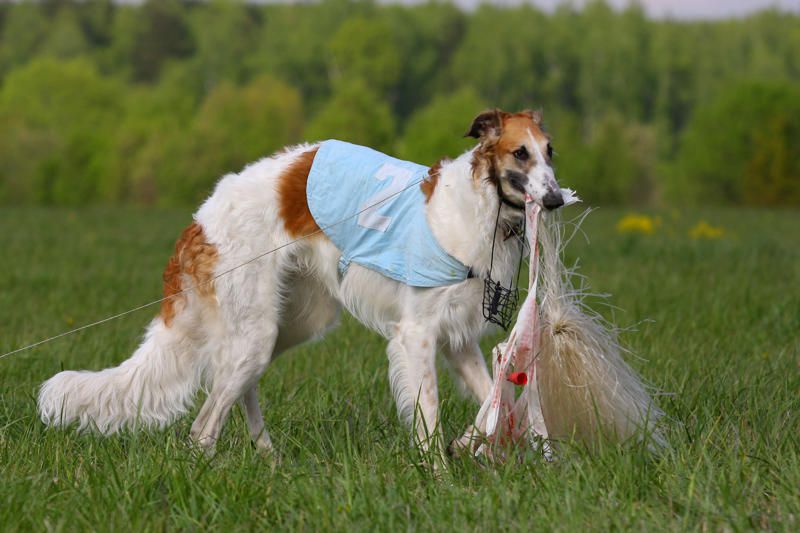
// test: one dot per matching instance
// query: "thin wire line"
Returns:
(211, 280)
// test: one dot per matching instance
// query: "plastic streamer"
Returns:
(560, 374)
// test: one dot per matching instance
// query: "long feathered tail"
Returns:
(151, 389)
(587, 390)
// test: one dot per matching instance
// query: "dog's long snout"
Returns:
(552, 200)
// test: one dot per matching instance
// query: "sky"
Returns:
(682, 9)
(676, 9)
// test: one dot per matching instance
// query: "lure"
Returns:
(564, 360)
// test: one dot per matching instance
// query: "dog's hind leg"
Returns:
(245, 357)
(470, 369)
(412, 376)
(308, 312)
(243, 342)
(255, 420)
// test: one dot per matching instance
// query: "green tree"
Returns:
(24, 30)
(615, 166)
(55, 125)
(426, 36)
(772, 175)
(732, 133)
(235, 126)
(672, 55)
(637, 106)
(146, 37)
(356, 114)
(292, 44)
(558, 87)
(153, 126)
(437, 130)
(225, 33)
(500, 56)
(65, 38)
(96, 19)
(614, 69)
(363, 49)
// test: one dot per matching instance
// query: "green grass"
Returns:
(718, 325)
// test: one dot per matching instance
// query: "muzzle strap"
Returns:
(499, 302)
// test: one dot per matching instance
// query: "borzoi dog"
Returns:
(223, 332)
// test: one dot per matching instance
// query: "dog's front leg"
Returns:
(412, 375)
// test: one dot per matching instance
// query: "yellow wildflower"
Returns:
(704, 230)
(633, 223)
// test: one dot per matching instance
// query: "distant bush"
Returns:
(363, 49)
(743, 148)
(614, 164)
(235, 126)
(151, 102)
(437, 130)
(355, 113)
(55, 147)
(772, 174)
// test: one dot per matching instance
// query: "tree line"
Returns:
(151, 103)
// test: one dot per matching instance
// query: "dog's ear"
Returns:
(488, 122)
(536, 115)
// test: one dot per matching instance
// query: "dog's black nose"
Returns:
(552, 200)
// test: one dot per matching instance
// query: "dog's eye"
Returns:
(549, 151)
(521, 153)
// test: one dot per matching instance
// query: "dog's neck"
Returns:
(462, 213)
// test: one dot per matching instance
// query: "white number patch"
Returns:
(370, 218)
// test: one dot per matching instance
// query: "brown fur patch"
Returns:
(429, 185)
(515, 133)
(481, 160)
(292, 200)
(194, 258)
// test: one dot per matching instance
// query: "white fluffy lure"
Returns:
(567, 361)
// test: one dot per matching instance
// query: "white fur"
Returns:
(288, 297)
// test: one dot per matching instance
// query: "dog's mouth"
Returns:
(517, 183)
(516, 196)
(513, 192)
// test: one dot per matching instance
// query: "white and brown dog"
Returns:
(223, 334)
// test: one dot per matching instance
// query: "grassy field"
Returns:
(718, 327)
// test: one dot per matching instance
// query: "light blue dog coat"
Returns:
(391, 234)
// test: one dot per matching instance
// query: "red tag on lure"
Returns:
(518, 378)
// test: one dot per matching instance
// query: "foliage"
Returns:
(772, 175)
(144, 141)
(354, 113)
(437, 130)
(225, 34)
(499, 55)
(54, 123)
(362, 49)
(642, 111)
(744, 147)
(615, 163)
(234, 126)
(146, 37)
(24, 29)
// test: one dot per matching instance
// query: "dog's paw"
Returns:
(205, 446)
(266, 451)
(465, 445)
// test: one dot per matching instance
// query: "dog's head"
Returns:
(515, 155)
